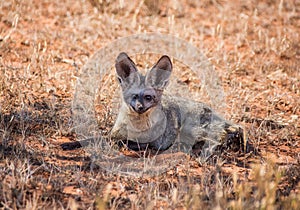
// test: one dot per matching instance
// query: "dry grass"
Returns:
(254, 46)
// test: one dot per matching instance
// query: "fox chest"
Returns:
(145, 129)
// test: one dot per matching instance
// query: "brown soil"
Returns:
(255, 48)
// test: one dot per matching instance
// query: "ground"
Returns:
(254, 47)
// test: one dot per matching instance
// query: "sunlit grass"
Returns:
(254, 46)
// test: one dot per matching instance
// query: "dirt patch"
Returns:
(254, 46)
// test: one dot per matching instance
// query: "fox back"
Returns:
(150, 119)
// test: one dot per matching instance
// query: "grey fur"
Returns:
(166, 121)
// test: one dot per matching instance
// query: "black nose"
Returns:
(139, 108)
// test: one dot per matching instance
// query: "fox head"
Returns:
(141, 93)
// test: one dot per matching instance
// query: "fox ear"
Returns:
(125, 69)
(158, 77)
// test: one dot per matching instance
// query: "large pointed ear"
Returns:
(158, 77)
(126, 69)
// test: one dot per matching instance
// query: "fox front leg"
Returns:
(118, 132)
(120, 137)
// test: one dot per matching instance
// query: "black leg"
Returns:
(133, 145)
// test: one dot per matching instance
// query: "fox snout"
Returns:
(138, 107)
(142, 102)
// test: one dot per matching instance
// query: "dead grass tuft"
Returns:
(254, 46)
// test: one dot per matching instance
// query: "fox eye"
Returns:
(135, 97)
(148, 97)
